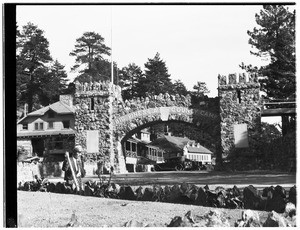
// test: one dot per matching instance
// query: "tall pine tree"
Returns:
(89, 52)
(157, 79)
(275, 38)
(129, 77)
(32, 57)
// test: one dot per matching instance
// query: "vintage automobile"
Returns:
(179, 164)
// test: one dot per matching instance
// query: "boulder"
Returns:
(292, 195)
(216, 219)
(166, 194)
(290, 210)
(139, 193)
(201, 198)
(59, 188)
(113, 190)
(175, 194)
(192, 194)
(67, 188)
(236, 192)
(51, 187)
(127, 193)
(222, 196)
(186, 221)
(212, 199)
(276, 199)
(275, 220)
(234, 203)
(88, 190)
(148, 194)
(251, 198)
(158, 193)
(133, 223)
(185, 193)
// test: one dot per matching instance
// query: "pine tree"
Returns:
(275, 38)
(179, 87)
(156, 79)
(32, 56)
(201, 89)
(129, 77)
(89, 52)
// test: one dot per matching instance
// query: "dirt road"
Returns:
(37, 209)
(259, 179)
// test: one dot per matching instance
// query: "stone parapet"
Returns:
(238, 81)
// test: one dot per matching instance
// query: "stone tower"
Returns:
(92, 121)
(240, 110)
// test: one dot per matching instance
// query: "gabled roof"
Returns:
(201, 149)
(58, 107)
(171, 143)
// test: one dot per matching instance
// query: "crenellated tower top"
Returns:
(100, 88)
(241, 80)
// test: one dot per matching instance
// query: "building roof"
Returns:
(58, 107)
(201, 149)
(173, 144)
(44, 133)
(170, 143)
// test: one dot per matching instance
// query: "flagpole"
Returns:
(112, 155)
(111, 45)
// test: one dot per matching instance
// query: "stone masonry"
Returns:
(239, 104)
(99, 107)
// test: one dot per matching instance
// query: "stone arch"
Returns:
(126, 125)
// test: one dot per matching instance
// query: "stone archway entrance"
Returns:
(102, 118)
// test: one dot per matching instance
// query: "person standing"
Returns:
(77, 166)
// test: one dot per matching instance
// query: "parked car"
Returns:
(178, 164)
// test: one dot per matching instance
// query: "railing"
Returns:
(130, 153)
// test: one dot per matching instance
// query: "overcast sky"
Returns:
(196, 42)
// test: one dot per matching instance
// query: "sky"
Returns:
(196, 42)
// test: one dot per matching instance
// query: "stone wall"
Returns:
(239, 104)
(98, 105)
(92, 112)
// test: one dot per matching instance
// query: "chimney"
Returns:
(25, 109)
(66, 99)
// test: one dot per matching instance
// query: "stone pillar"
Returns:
(239, 104)
(121, 160)
(92, 112)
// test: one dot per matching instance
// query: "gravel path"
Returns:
(38, 209)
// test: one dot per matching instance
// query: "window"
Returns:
(66, 124)
(25, 126)
(50, 125)
(239, 96)
(133, 147)
(92, 104)
(38, 126)
(127, 145)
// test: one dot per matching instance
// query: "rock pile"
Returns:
(272, 199)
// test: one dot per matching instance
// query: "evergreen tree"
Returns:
(179, 87)
(32, 56)
(54, 83)
(275, 38)
(129, 77)
(89, 52)
(156, 79)
(201, 89)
